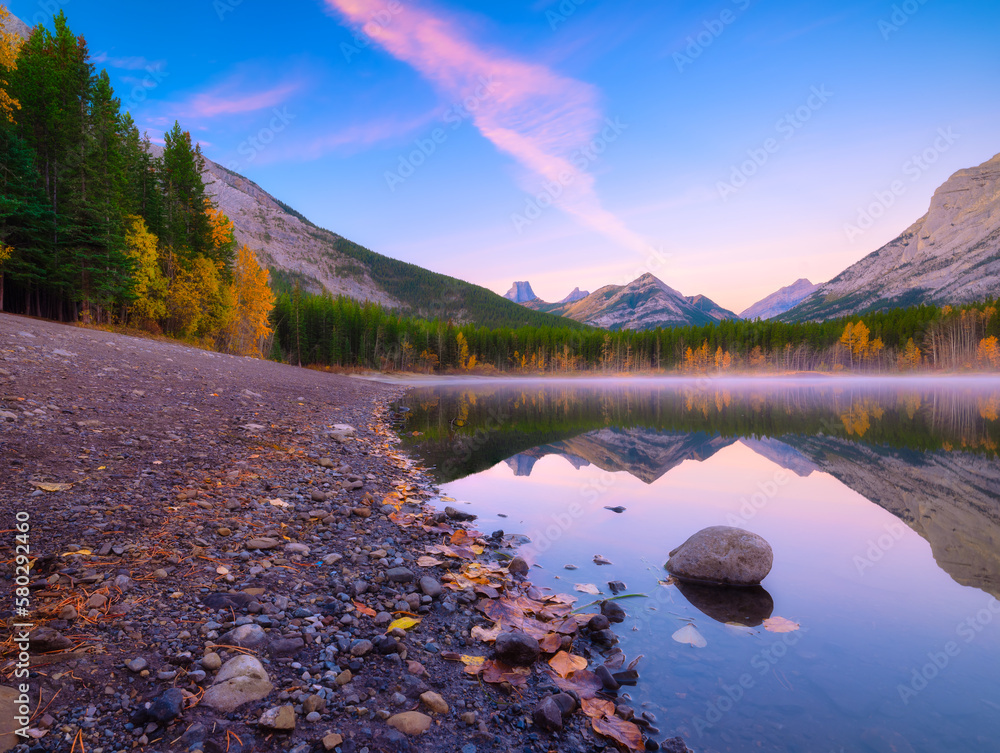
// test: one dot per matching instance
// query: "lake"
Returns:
(880, 499)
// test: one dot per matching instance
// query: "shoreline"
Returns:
(189, 510)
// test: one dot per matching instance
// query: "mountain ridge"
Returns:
(951, 255)
(780, 301)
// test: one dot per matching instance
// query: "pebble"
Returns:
(279, 718)
(211, 661)
(410, 723)
(434, 702)
(517, 649)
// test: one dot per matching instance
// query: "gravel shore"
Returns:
(230, 555)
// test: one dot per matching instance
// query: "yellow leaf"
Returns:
(103, 468)
(47, 487)
(78, 551)
(780, 625)
(403, 623)
(472, 661)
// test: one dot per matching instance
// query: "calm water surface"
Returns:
(881, 501)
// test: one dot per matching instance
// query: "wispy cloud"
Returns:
(136, 63)
(535, 115)
(231, 98)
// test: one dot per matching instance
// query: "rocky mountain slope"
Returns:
(285, 240)
(15, 25)
(780, 301)
(950, 255)
(645, 303)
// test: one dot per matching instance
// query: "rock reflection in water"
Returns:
(744, 605)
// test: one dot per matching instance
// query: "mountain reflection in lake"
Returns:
(881, 500)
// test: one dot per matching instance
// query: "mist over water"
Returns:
(880, 498)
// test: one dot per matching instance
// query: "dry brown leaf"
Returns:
(487, 635)
(427, 561)
(780, 625)
(595, 708)
(497, 672)
(550, 643)
(45, 486)
(565, 663)
(619, 730)
(587, 588)
(583, 682)
(363, 609)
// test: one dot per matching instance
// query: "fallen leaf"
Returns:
(403, 623)
(496, 672)
(550, 643)
(587, 588)
(780, 625)
(49, 487)
(78, 551)
(427, 561)
(473, 664)
(595, 708)
(363, 609)
(582, 682)
(565, 664)
(688, 634)
(619, 730)
(487, 635)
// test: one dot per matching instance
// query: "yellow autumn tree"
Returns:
(988, 352)
(10, 44)
(463, 350)
(199, 303)
(5, 253)
(909, 357)
(253, 300)
(149, 284)
(855, 339)
(222, 230)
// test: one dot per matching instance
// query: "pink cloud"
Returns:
(540, 118)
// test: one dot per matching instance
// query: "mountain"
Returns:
(15, 25)
(520, 292)
(645, 303)
(321, 260)
(575, 296)
(779, 302)
(950, 255)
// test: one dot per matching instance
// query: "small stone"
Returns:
(313, 716)
(263, 542)
(223, 531)
(241, 680)
(160, 574)
(45, 639)
(399, 575)
(314, 703)
(97, 601)
(68, 613)
(430, 586)
(362, 512)
(297, 548)
(344, 677)
(137, 665)
(211, 661)
(604, 675)
(518, 566)
(517, 649)
(599, 622)
(332, 740)
(434, 702)
(245, 636)
(548, 715)
(167, 706)
(566, 703)
(410, 723)
(469, 718)
(362, 648)
(613, 611)
(279, 718)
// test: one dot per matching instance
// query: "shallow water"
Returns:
(881, 500)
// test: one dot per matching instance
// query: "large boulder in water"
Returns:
(723, 555)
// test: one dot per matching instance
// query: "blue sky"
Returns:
(730, 147)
